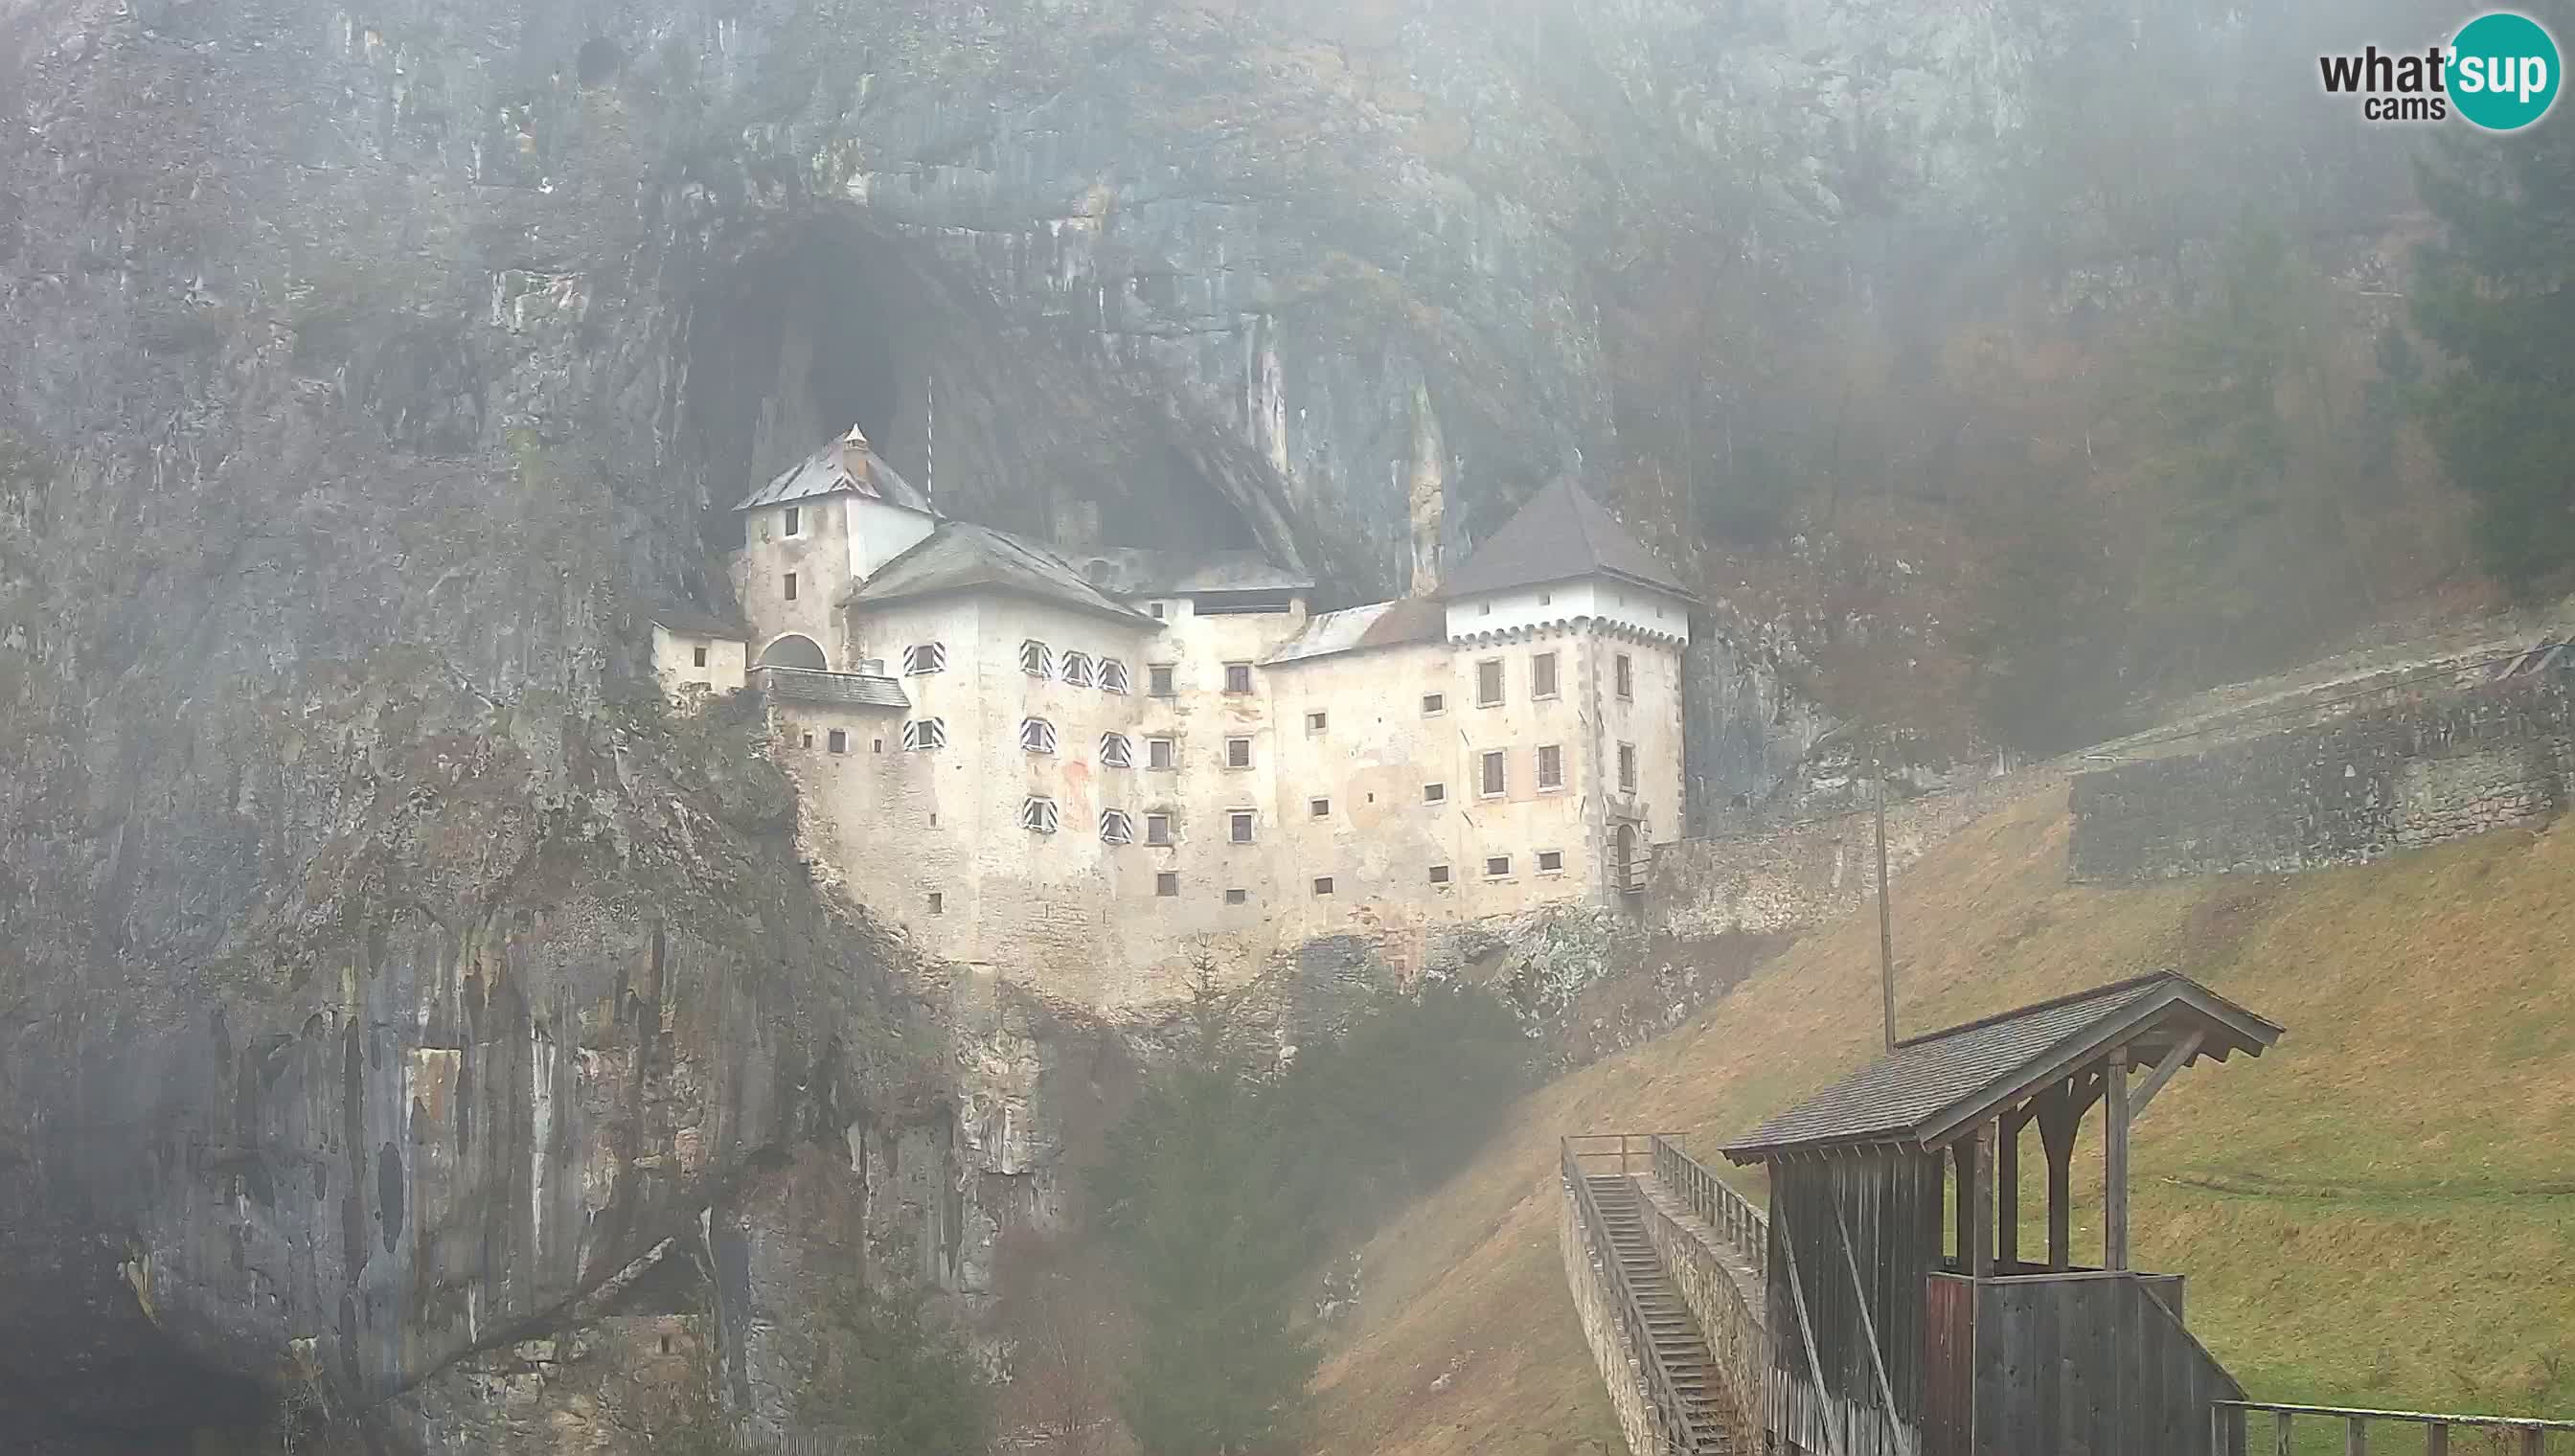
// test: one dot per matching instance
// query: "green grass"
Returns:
(2379, 1212)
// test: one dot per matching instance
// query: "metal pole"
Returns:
(1886, 916)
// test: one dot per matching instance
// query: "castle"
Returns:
(1079, 767)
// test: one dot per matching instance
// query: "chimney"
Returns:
(1428, 493)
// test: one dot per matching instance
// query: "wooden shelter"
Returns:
(1905, 1318)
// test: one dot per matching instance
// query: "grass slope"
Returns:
(2381, 1212)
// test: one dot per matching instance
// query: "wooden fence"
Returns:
(2260, 1428)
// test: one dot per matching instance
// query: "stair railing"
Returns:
(1745, 1226)
(1671, 1414)
(2228, 1435)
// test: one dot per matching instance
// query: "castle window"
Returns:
(925, 734)
(698, 656)
(1238, 677)
(1157, 678)
(875, 746)
(1238, 826)
(840, 740)
(938, 903)
(1542, 676)
(1546, 598)
(809, 741)
(1116, 827)
(1434, 793)
(1238, 897)
(1434, 704)
(1160, 754)
(1112, 675)
(1498, 867)
(1319, 807)
(1077, 669)
(1496, 778)
(1238, 753)
(1157, 611)
(1037, 814)
(1439, 875)
(1550, 767)
(1037, 658)
(1314, 722)
(1489, 682)
(1116, 751)
(1323, 885)
(1624, 670)
(795, 521)
(1626, 767)
(1166, 884)
(1036, 736)
(791, 586)
(924, 657)
(1157, 828)
(1550, 862)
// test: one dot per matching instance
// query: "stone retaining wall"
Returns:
(1720, 1296)
(2401, 775)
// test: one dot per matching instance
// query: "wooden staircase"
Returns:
(1676, 1335)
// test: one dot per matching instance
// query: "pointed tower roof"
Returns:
(847, 464)
(1560, 534)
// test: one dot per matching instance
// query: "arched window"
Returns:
(1036, 736)
(1077, 669)
(793, 651)
(924, 734)
(1112, 675)
(1116, 827)
(1037, 658)
(1038, 815)
(1116, 751)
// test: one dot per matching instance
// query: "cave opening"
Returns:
(1023, 423)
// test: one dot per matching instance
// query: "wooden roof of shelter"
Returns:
(1939, 1087)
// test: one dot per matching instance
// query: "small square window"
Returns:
(938, 903)
(1498, 867)
(1546, 598)
(875, 746)
(1166, 884)
(1238, 753)
(1550, 767)
(1496, 776)
(1238, 826)
(1158, 680)
(1434, 704)
(1157, 610)
(791, 586)
(1319, 807)
(920, 657)
(1550, 862)
(1542, 676)
(1112, 675)
(809, 741)
(1238, 897)
(1323, 885)
(698, 656)
(1157, 828)
(1238, 677)
(1439, 875)
(1623, 671)
(1160, 754)
(795, 521)
(840, 742)
(1314, 720)
(1484, 609)
(1434, 793)
(1489, 682)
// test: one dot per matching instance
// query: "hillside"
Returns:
(2381, 1212)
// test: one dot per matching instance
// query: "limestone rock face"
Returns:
(381, 969)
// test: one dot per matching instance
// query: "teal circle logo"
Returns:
(2503, 71)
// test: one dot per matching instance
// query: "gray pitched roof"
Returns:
(1561, 532)
(961, 556)
(696, 622)
(1357, 628)
(1137, 571)
(836, 689)
(848, 463)
(1938, 1086)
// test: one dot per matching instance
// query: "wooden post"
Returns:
(1963, 1153)
(2114, 1165)
(1980, 1226)
(2007, 1193)
(2059, 1116)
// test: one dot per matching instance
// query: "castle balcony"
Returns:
(831, 690)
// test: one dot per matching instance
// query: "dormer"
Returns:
(1562, 559)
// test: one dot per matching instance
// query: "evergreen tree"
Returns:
(2493, 295)
(889, 1376)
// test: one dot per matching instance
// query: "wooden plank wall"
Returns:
(1889, 1206)
(2094, 1363)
